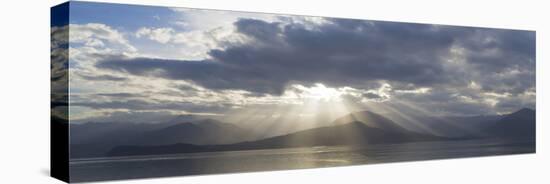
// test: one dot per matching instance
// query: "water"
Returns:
(113, 168)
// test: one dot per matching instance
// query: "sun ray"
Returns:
(447, 122)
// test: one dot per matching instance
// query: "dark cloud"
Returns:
(120, 95)
(342, 53)
(495, 50)
(370, 95)
(502, 61)
(260, 30)
(135, 104)
(102, 77)
(357, 53)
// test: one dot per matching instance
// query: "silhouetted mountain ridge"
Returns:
(372, 129)
(208, 131)
(95, 139)
(520, 124)
(354, 129)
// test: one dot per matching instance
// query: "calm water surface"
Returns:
(113, 168)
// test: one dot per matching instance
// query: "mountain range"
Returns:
(95, 139)
(520, 124)
(355, 129)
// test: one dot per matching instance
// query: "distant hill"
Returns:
(356, 129)
(520, 124)
(352, 133)
(445, 126)
(91, 132)
(201, 132)
(95, 139)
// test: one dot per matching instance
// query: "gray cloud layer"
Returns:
(346, 52)
(357, 53)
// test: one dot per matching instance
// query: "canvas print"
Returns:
(146, 91)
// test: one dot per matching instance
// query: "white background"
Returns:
(24, 91)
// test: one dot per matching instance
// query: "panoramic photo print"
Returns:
(157, 91)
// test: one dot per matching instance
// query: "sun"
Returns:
(323, 93)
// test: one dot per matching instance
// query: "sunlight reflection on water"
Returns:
(95, 169)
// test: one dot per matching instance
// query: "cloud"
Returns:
(59, 76)
(161, 35)
(371, 95)
(197, 19)
(501, 61)
(429, 65)
(152, 105)
(125, 116)
(95, 35)
(102, 77)
(190, 44)
(59, 36)
(342, 53)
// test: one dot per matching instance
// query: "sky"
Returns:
(132, 63)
